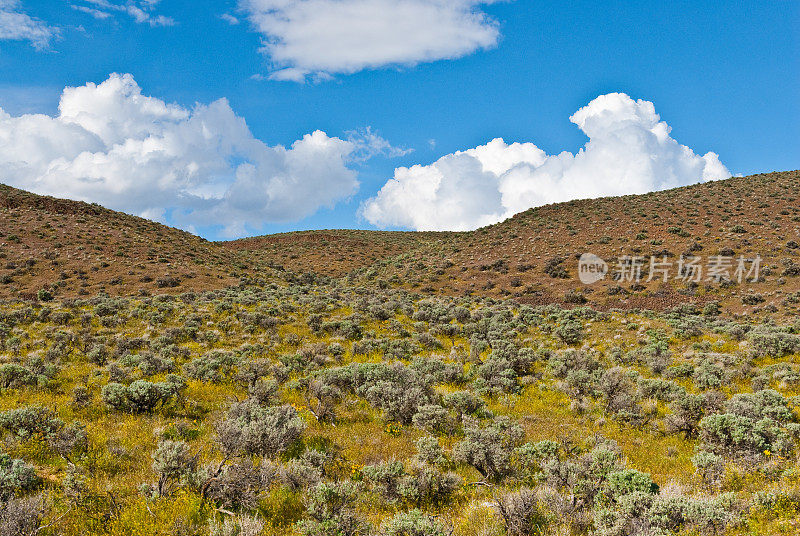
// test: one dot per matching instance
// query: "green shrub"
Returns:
(708, 375)
(741, 437)
(425, 485)
(14, 376)
(489, 448)
(774, 343)
(413, 523)
(464, 403)
(44, 295)
(529, 457)
(384, 477)
(433, 418)
(330, 511)
(396, 389)
(16, 477)
(211, 367)
(642, 513)
(253, 429)
(142, 396)
(175, 466)
(430, 451)
(570, 332)
(630, 481)
(31, 421)
(709, 466)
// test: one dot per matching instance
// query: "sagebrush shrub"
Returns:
(430, 451)
(464, 403)
(14, 376)
(521, 512)
(330, 511)
(31, 421)
(21, 516)
(489, 448)
(211, 367)
(237, 486)
(175, 465)
(253, 429)
(240, 525)
(570, 332)
(630, 481)
(16, 477)
(687, 411)
(396, 389)
(413, 523)
(299, 474)
(433, 418)
(142, 396)
(709, 466)
(708, 375)
(741, 437)
(384, 477)
(774, 343)
(425, 485)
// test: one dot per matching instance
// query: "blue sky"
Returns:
(723, 76)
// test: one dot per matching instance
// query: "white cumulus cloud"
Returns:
(629, 151)
(198, 167)
(320, 38)
(15, 25)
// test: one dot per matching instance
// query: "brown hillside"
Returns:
(744, 216)
(82, 248)
(334, 253)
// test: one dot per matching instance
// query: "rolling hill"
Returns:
(73, 248)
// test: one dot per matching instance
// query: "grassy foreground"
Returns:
(321, 409)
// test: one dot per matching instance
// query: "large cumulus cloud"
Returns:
(200, 167)
(630, 150)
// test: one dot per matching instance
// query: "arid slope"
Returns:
(76, 248)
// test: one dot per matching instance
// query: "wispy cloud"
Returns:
(368, 144)
(230, 19)
(16, 25)
(142, 11)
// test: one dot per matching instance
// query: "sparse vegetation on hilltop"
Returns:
(60, 248)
